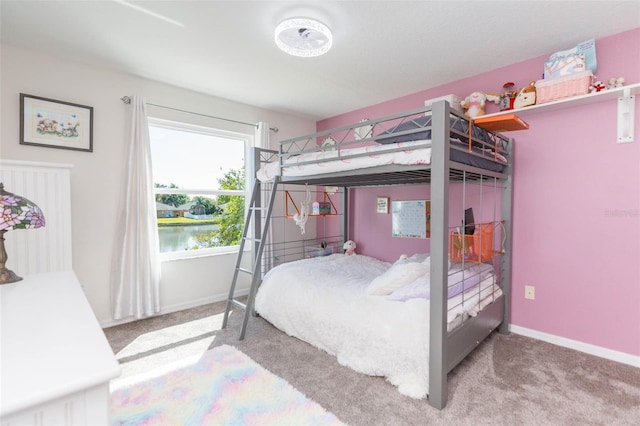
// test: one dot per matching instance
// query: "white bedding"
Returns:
(377, 157)
(323, 302)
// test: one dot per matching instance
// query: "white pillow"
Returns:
(458, 281)
(417, 289)
(395, 277)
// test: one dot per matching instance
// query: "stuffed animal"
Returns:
(615, 82)
(526, 96)
(475, 102)
(597, 86)
(349, 248)
(300, 218)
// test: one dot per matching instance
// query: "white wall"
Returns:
(97, 177)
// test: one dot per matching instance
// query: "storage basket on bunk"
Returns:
(475, 248)
(563, 87)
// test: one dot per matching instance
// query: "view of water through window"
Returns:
(178, 238)
(191, 159)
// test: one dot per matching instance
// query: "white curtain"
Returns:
(262, 141)
(136, 278)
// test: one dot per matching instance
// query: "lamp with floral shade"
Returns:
(16, 212)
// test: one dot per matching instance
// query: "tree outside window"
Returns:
(199, 176)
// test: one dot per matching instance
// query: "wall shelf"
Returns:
(626, 107)
(501, 123)
(575, 101)
(290, 202)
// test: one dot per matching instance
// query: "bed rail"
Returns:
(413, 129)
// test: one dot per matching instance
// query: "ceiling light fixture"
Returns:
(303, 37)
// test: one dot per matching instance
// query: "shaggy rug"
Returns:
(223, 386)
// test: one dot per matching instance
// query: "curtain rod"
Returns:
(127, 100)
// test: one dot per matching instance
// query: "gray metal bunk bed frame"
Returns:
(447, 349)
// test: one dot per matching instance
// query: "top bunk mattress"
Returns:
(414, 152)
(403, 139)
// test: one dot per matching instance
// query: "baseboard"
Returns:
(110, 322)
(598, 351)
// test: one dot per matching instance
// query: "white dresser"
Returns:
(55, 361)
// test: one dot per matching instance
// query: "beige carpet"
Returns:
(508, 380)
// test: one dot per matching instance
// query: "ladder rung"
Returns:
(248, 271)
(255, 240)
(239, 304)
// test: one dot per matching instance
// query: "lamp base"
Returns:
(7, 276)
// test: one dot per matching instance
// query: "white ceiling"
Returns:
(382, 49)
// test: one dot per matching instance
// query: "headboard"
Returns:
(48, 185)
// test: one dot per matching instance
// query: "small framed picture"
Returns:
(382, 205)
(55, 124)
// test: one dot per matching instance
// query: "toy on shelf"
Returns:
(615, 82)
(475, 103)
(597, 86)
(508, 96)
(526, 96)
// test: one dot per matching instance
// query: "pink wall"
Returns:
(372, 231)
(576, 216)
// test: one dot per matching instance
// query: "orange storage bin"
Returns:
(475, 248)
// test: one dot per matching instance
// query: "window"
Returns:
(200, 179)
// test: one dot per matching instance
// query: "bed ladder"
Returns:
(253, 218)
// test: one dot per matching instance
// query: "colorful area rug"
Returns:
(221, 387)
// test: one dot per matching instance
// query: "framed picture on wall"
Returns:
(55, 124)
(382, 205)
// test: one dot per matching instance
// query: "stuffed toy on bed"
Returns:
(349, 248)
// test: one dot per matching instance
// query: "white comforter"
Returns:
(323, 302)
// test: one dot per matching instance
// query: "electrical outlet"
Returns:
(529, 292)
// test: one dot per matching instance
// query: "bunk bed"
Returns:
(433, 145)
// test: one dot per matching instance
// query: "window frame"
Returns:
(248, 142)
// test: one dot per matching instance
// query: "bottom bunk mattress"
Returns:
(329, 303)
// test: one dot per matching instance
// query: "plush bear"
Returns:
(349, 248)
(475, 102)
(597, 86)
(615, 82)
